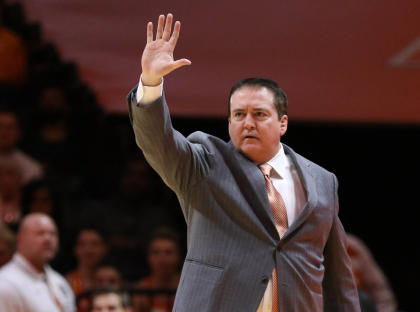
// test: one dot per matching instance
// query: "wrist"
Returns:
(149, 81)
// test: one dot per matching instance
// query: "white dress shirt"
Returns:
(24, 289)
(287, 182)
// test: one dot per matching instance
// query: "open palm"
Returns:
(158, 60)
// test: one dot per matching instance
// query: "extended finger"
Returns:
(159, 30)
(168, 27)
(149, 32)
(175, 34)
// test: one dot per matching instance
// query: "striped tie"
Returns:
(280, 219)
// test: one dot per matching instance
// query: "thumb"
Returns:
(181, 62)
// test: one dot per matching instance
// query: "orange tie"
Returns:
(280, 219)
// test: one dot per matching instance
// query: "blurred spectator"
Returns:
(107, 276)
(90, 250)
(369, 276)
(37, 197)
(7, 244)
(54, 146)
(12, 57)
(138, 206)
(10, 193)
(163, 257)
(27, 282)
(110, 301)
(9, 137)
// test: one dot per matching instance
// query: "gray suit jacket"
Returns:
(233, 244)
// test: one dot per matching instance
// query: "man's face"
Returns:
(254, 126)
(38, 241)
(108, 303)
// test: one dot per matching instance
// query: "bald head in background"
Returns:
(37, 239)
(27, 282)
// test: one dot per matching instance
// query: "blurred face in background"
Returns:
(107, 277)
(38, 239)
(41, 201)
(137, 179)
(163, 257)
(9, 132)
(90, 248)
(108, 303)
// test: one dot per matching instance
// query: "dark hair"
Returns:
(280, 97)
(125, 298)
(165, 233)
(28, 194)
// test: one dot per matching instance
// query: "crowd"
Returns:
(70, 178)
(61, 156)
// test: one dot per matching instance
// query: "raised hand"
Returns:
(158, 59)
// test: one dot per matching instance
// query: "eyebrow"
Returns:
(255, 109)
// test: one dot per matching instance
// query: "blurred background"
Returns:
(351, 71)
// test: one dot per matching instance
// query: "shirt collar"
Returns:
(25, 265)
(280, 163)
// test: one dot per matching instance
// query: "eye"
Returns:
(238, 114)
(261, 114)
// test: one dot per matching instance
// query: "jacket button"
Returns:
(264, 279)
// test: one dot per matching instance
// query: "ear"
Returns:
(284, 120)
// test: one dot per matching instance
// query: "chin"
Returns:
(253, 154)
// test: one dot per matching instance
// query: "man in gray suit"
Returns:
(234, 245)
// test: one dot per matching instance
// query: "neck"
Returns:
(85, 270)
(39, 266)
(164, 281)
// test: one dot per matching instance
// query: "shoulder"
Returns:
(304, 163)
(199, 137)
(27, 161)
(10, 283)
(9, 272)
(57, 276)
(10, 298)
(211, 142)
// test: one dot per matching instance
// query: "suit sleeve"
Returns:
(339, 287)
(179, 162)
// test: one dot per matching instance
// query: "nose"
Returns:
(249, 122)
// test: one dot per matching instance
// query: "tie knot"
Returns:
(266, 169)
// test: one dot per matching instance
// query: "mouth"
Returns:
(250, 137)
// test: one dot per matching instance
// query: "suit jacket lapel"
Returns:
(308, 181)
(254, 191)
